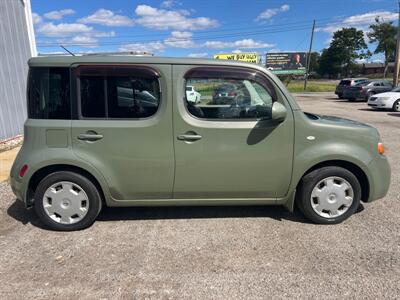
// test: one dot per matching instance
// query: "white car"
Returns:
(192, 95)
(388, 100)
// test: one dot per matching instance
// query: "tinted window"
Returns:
(345, 82)
(362, 83)
(115, 92)
(49, 93)
(93, 103)
(130, 97)
(222, 98)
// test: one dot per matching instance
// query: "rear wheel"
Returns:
(67, 201)
(329, 195)
(396, 106)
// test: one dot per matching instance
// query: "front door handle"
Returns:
(90, 137)
(189, 137)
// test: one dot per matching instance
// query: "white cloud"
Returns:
(59, 14)
(198, 55)
(63, 29)
(84, 41)
(237, 51)
(361, 21)
(180, 39)
(36, 18)
(107, 18)
(244, 44)
(157, 46)
(162, 19)
(168, 3)
(270, 12)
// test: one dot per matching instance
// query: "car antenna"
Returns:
(67, 50)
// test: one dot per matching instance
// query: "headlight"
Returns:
(383, 98)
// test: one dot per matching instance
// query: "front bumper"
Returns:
(379, 104)
(379, 178)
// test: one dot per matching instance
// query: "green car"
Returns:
(120, 131)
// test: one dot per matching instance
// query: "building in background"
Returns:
(17, 45)
(376, 68)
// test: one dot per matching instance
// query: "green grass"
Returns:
(312, 86)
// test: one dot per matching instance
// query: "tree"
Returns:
(329, 63)
(347, 45)
(384, 34)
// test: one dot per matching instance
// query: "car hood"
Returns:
(336, 120)
(388, 94)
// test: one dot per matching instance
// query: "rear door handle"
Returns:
(189, 137)
(90, 137)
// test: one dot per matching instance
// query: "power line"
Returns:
(202, 35)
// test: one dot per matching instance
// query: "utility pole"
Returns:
(309, 55)
(397, 62)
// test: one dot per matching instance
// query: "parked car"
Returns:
(347, 82)
(366, 89)
(388, 100)
(224, 94)
(192, 95)
(86, 147)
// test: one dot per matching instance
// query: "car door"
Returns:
(123, 128)
(230, 148)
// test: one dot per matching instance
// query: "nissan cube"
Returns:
(107, 130)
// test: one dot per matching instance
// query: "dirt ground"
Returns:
(212, 252)
(6, 160)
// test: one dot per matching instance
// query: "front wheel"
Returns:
(396, 106)
(329, 195)
(67, 201)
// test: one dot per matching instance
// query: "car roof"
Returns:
(63, 60)
(355, 78)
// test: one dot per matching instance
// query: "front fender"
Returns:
(330, 153)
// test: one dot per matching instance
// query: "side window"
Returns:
(49, 93)
(229, 98)
(92, 97)
(118, 92)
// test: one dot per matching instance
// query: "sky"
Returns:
(199, 28)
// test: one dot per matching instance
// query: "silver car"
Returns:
(364, 90)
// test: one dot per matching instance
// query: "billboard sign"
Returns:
(247, 57)
(286, 62)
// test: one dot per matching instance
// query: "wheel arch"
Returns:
(41, 173)
(350, 166)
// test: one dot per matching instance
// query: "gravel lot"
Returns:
(218, 252)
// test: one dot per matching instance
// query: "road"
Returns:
(212, 252)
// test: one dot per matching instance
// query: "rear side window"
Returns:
(49, 93)
(118, 92)
(345, 82)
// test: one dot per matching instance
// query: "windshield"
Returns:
(189, 88)
(362, 83)
(345, 82)
(396, 89)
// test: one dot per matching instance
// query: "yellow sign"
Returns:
(248, 57)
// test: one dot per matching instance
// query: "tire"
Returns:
(396, 106)
(312, 180)
(82, 197)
